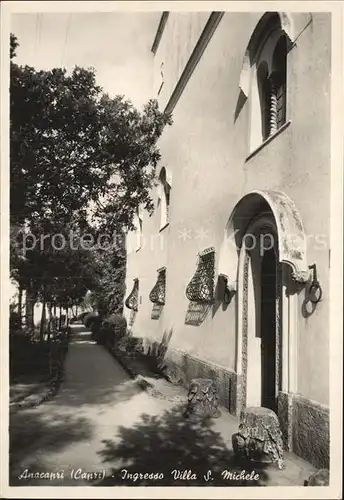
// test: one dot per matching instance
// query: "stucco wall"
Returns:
(206, 151)
(179, 38)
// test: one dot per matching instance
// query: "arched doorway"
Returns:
(263, 251)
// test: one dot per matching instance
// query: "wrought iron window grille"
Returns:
(132, 302)
(201, 286)
(157, 295)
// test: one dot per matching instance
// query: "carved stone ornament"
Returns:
(300, 276)
(292, 240)
(202, 399)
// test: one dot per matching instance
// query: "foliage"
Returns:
(117, 322)
(83, 161)
(86, 305)
(13, 45)
(58, 275)
(15, 322)
(26, 355)
(109, 291)
(80, 161)
(72, 144)
(113, 329)
(90, 318)
(81, 316)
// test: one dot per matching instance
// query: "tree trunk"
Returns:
(41, 332)
(42, 328)
(29, 308)
(60, 318)
(54, 318)
(50, 318)
(20, 306)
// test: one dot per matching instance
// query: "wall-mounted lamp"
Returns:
(315, 290)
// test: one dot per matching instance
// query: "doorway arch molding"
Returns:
(292, 239)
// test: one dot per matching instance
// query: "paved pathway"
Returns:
(102, 422)
(96, 397)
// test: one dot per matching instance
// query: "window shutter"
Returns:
(279, 80)
(266, 109)
(281, 104)
(273, 109)
(277, 112)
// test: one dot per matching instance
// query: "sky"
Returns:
(116, 44)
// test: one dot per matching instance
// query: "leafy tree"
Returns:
(57, 275)
(72, 145)
(80, 160)
(109, 290)
(13, 45)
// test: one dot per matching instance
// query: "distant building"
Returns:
(228, 272)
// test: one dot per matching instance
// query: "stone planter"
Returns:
(259, 437)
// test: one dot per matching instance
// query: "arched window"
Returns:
(264, 76)
(164, 198)
(268, 105)
(271, 80)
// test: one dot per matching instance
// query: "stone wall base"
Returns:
(304, 423)
(305, 427)
(311, 431)
(181, 368)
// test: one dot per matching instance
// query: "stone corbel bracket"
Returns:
(226, 290)
(230, 286)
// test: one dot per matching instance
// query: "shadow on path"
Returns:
(92, 376)
(80, 393)
(69, 428)
(33, 432)
(162, 444)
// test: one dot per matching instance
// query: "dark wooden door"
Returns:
(268, 329)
